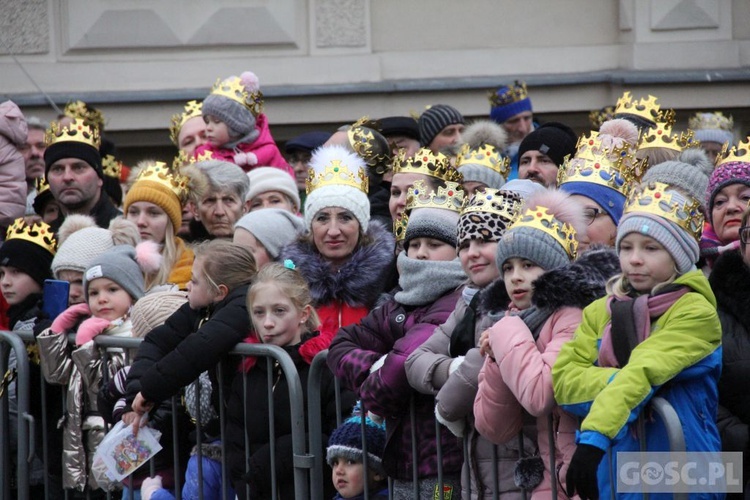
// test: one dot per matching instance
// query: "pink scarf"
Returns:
(645, 308)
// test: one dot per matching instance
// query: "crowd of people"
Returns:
(530, 288)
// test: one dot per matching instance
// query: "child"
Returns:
(111, 285)
(280, 306)
(672, 348)
(236, 129)
(369, 356)
(265, 232)
(447, 364)
(345, 456)
(198, 335)
(547, 295)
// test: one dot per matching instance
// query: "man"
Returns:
(440, 128)
(33, 157)
(543, 152)
(402, 132)
(511, 108)
(298, 151)
(74, 173)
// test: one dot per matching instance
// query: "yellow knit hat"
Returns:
(158, 185)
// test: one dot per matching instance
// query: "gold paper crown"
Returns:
(662, 200)
(506, 204)
(38, 233)
(540, 218)
(450, 197)
(182, 159)
(716, 121)
(740, 152)
(232, 88)
(645, 108)
(615, 168)
(661, 137)
(336, 173)
(111, 167)
(399, 227)
(41, 185)
(487, 156)
(599, 116)
(362, 141)
(426, 162)
(160, 173)
(77, 131)
(508, 94)
(80, 110)
(192, 109)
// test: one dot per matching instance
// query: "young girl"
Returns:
(610, 370)
(236, 129)
(369, 356)
(198, 335)
(547, 295)
(281, 310)
(112, 283)
(265, 232)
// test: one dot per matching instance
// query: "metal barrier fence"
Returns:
(308, 462)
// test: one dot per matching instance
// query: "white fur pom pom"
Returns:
(245, 159)
(250, 81)
(148, 256)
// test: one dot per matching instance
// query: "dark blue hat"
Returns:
(399, 125)
(308, 141)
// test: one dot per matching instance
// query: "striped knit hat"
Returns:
(435, 119)
(346, 442)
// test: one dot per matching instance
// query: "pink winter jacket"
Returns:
(520, 378)
(13, 131)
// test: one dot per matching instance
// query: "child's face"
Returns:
(348, 477)
(108, 300)
(478, 261)
(518, 275)
(644, 262)
(249, 241)
(200, 292)
(430, 249)
(16, 285)
(75, 278)
(276, 319)
(217, 132)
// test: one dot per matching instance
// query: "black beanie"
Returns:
(553, 139)
(28, 258)
(73, 149)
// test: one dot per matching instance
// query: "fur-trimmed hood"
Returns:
(730, 282)
(358, 282)
(577, 284)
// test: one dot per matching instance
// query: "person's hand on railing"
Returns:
(581, 477)
(90, 328)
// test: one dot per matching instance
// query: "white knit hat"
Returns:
(333, 191)
(274, 228)
(264, 179)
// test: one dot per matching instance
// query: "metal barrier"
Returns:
(308, 462)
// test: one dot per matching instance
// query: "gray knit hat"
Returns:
(435, 119)
(434, 223)
(274, 228)
(119, 265)
(681, 246)
(238, 117)
(689, 172)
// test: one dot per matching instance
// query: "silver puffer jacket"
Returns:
(81, 370)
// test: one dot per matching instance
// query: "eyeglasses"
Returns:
(745, 235)
(590, 214)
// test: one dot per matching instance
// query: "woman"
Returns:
(727, 196)
(344, 255)
(154, 204)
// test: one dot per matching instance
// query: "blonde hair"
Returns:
(291, 284)
(169, 258)
(620, 287)
(225, 263)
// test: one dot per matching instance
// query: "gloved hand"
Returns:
(90, 328)
(67, 319)
(581, 477)
(457, 427)
(149, 486)
(377, 365)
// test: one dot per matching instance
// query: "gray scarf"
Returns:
(534, 319)
(424, 281)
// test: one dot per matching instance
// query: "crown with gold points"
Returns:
(664, 201)
(506, 204)
(331, 168)
(160, 173)
(715, 121)
(599, 116)
(426, 162)
(485, 155)
(81, 110)
(740, 152)
(509, 95)
(77, 131)
(646, 108)
(233, 88)
(192, 109)
(616, 167)
(539, 218)
(38, 233)
(661, 137)
(41, 185)
(399, 227)
(363, 142)
(111, 167)
(449, 197)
